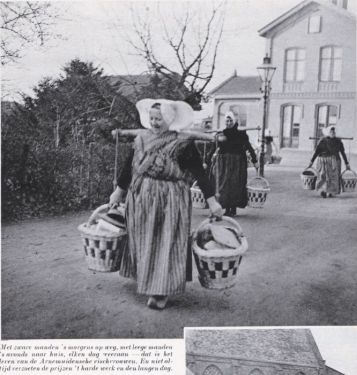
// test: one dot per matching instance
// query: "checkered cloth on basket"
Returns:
(219, 270)
(349, 182)
(308, 179)
(103, 253)
(257, 189)
(197, 197)
(257, 197)
(103, 249)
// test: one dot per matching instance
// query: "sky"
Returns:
(95, 31)
(338, 347)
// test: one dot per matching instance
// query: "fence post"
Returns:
(115, 177)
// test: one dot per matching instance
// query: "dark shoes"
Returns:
(325, 195)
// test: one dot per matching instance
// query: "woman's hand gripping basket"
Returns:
(258, 189)
(197, 197)
(308, 179)
(103, 248)
(218, 248)
(349, 181)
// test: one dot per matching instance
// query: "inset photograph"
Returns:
(273, 351)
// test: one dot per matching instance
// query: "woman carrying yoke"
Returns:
(329, 163)
(157, 179)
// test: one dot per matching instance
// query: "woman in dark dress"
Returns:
(329, 163)
(232, 166)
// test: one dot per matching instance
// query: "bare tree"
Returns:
(24, 23)
(190, 38)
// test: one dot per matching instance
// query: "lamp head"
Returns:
(266, 70)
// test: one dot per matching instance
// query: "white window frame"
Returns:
(314, 24)
(332, 63)
(328, 117)
(293, 106)
(295, 62)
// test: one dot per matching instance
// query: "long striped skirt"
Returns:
(328, 174)
(158, 225)
(232, 179)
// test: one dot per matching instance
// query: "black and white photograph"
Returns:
(285, 351)
(172, 164)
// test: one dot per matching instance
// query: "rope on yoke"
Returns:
(116, 160)
(204, 156)
(217, 168)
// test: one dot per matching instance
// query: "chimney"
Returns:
(340, 3)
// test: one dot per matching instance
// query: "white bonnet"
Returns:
(326, 131)
(229, 114)
(176, 114)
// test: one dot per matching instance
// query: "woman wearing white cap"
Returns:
(232, 166)
(157, 180)
(329, 163)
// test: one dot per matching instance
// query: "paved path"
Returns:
(300, 269)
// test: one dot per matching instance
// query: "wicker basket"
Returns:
(218, 269)
(258, 189)
(308, 179)
(103, 251)
(349, 181)
(197, 197)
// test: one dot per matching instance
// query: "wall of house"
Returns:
(346, 122)
(335, 30)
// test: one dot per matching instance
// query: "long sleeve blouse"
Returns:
(330, 147)
(188, 159)
(237, 142)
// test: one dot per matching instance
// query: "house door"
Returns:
(290, 128)
(326, 116)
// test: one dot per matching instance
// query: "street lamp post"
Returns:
(266, 72)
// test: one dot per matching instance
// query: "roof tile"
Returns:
(295, 346)
(237, 85)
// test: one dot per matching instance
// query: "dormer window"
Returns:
(314, 25)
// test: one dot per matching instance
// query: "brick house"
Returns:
(254, 352)
(313, 46)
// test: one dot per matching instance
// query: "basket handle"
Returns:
(349, 170)
(312, 169)
(194, 184)
(224, 218)
(261, 178)
(96, 212)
